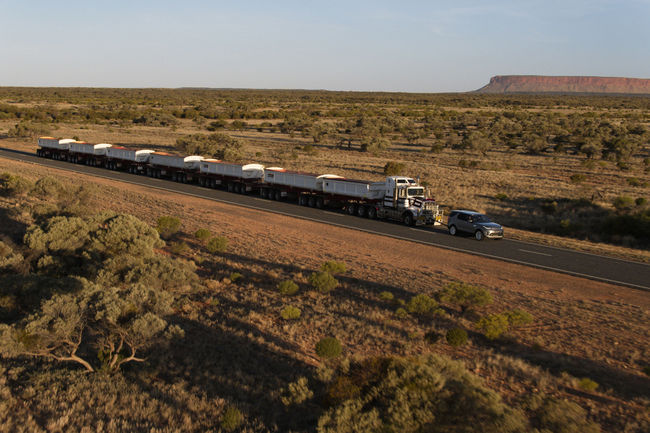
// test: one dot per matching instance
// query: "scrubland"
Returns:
(200, 316)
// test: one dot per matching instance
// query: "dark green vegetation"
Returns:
(497, 145)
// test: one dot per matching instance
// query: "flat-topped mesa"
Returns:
(566, 84)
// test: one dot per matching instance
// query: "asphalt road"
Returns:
(616, 271)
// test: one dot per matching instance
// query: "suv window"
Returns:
(463, 216)
(453, 214)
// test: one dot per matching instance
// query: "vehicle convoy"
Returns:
(398, 198)
(473, 223)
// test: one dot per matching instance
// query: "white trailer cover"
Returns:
(55, 143)
(125, 154)
(293, 179)
(89, 149)
(221, 168)
(176, 161)
(358, 189)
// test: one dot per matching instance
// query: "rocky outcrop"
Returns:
(553, 84)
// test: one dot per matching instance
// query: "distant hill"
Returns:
(566, 84)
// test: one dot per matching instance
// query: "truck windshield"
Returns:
(415, 192)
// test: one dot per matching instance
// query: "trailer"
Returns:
(54, 148)
(131, 160)
(178, 168)
(86, 153)
(240, 178)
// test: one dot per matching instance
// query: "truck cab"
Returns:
(407, 201)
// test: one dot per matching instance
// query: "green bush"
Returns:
(297, 392)
(168, 226)
(287, 287)
(11, 185)
(432, 337)
(456, 337)
(202, 234)
(640, 201)
(334, 267)
(421, 304)
(47, 187)
(465, 295)
(550, 414)
(218, 244)
(401, 313)
(231, 419)
(587, 384)
(501, 196)
(290, 313)
(623, 202)
(393, 168)
(323, 281)
(386, 296)
(418, 394)
(578, 178)
(518, 317)
(493, 325)
(328, 347)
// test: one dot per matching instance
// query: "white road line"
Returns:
(535, 252)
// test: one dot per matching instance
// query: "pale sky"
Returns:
(406, 45)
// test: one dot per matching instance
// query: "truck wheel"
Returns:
(278, 195)
(372, 212)
(479, 235)
(352, 209)
(362, 211)
(452, 230)
(408, 219)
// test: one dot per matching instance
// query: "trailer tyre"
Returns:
(352, 209)
(320, 203)
(303, 200)
(362, 211)
(372, 212)
(452, 230)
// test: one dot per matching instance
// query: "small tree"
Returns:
(11, 185)
(493, 325)
(323, 281)
(290, 313)
(168, 226)
(334, 267)
(393, 168)
(465, 295)
(456, 337)
(202, 234)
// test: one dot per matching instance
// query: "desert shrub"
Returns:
(518, 317)
(334, 267)
(232, 418)
(559, 416)
(465, 295)
(287, 287)
(168, 226)
(634, 181)
(432, 337)
(421, 304)
(47, 187)
(587, 384)
(179, 247)
(235, 276)
(323, 281)
(578, 178)
(501, 196)
(401, 313)
(623, 202)
(493, 325)
(640, 201)
(218, 244)
(429, 393)
(217, 124)
(386, 296)
(202, 234)
(456, 337)
(217, 145)
(12, 185)
(296, 392)
(394, 168)
(328, 347)
(26, 130)
(290, 313)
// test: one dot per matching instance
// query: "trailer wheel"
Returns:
(320, 203)
(372, 212)
(311, 201)
(303, 200)
(362, 211)
(352, 209)
(278, 195)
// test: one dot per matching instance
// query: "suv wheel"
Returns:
(479, 235)
(452, 230)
